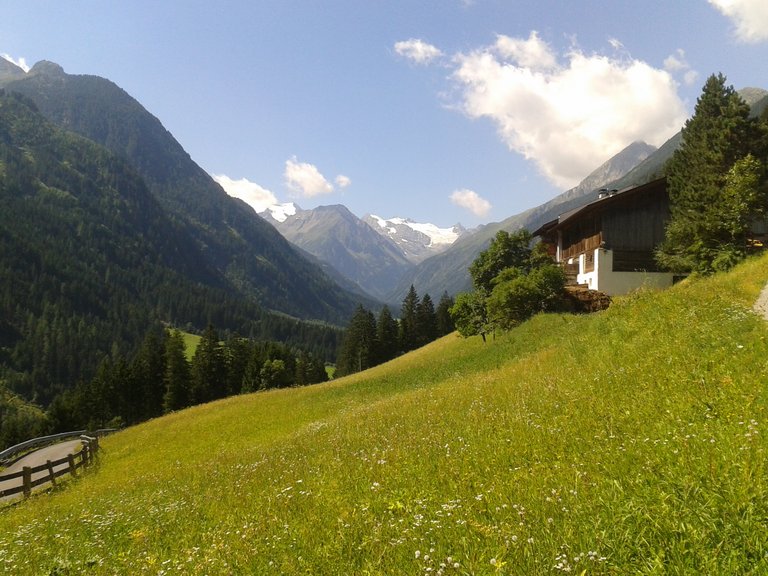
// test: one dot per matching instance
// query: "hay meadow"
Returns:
(632, 441)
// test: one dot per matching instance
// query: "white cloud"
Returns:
(532, 53)
(472, 201)
(249, 192)
(342, 181)
(567, 114)
(678, 64)
(749, 16)
(21, 62)
(305, 179)
(417, 51)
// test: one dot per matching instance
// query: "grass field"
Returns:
(626, 442)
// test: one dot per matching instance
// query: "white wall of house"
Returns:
(604, 279)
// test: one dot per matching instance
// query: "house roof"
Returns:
(598, 205)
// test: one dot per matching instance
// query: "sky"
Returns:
(442, 111)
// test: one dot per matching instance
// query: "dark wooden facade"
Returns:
(630, 223)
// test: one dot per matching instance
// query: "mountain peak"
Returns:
(752, 95)
(48, 68)
(417, 240)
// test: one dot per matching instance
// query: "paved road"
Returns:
(54, 452)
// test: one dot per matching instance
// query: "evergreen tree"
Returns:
(252, 375)
(208, 373)
(426, 321)
(445, 323)
(717, 136)
(386, 336)
(358, 349)
(177, 374)
(409, 320)
(237, 352)
(148, 372)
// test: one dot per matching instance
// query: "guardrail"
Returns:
(9, 453)
(31, 477)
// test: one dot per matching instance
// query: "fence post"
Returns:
(86, 453)
(72, 467)
(27, 478)
(51, 473)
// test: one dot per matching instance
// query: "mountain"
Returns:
(336, 236)
(89, 259)
(245, 250)
(448, 271)
(417, 241)
(9, 71)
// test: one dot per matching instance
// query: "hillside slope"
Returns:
(242, 247)
(629, 441)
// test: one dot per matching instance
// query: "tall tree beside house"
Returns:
(715, 190)
(512, 281)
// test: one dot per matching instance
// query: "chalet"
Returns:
(608, 244)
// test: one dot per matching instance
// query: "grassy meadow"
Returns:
(630, 441)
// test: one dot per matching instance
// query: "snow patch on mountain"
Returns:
(281, 212)
(437, 236)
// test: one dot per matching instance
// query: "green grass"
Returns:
(625, 442)
(191, 341)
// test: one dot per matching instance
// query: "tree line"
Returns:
(160, 378)
(370, 341)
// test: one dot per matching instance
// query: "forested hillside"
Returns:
(229, 236)
(89, 261)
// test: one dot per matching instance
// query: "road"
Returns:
(54, 452)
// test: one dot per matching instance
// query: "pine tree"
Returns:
(358, 349)
(386, 336)
(177, 375)
(445, 323)
(408, 321)
(714, 139)
(148, 371)
(426, 321)
(208, 373)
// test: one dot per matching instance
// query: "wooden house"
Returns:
(608, 245)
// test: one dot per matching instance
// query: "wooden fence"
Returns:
(34, 476)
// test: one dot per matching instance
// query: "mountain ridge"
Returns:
(242, 246)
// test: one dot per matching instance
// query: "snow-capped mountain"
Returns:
(372, 252)
(416, 240)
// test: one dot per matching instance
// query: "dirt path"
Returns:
(761, 306)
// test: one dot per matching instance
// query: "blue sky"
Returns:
(443, 111)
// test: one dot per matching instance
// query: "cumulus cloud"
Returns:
(417, 51)
(257, 197)
(342, 181)
(567, 113)
(305, 179)
(472, 201)
(21, 62)
(750, 18)
(677, 64)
